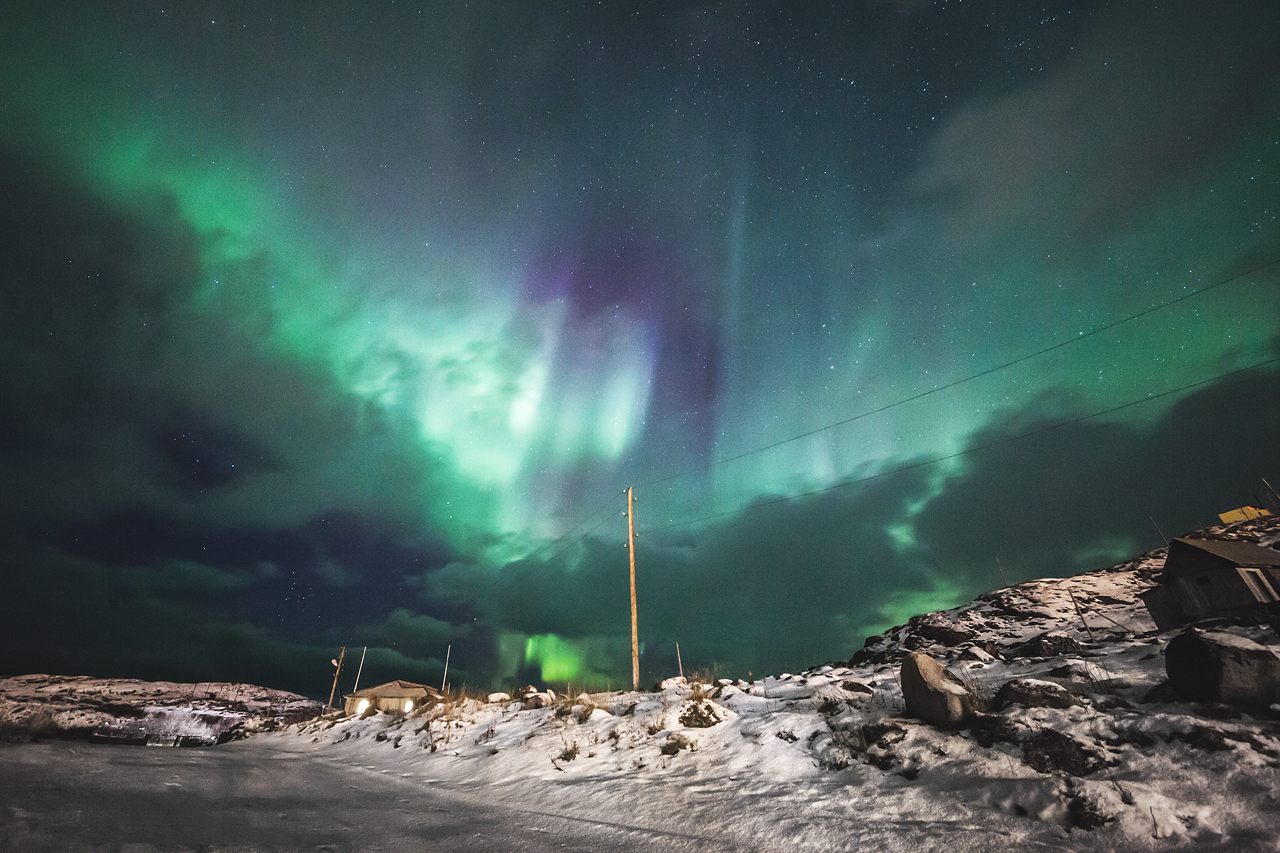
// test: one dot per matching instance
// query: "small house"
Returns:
(393, 697)
(1214, 578)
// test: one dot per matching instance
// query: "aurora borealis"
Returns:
(330, 325)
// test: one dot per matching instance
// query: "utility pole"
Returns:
(635, 634)
(338, 664)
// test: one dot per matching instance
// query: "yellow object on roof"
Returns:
(1244, 513)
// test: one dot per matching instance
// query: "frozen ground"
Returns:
(240, 797)
(820, 760)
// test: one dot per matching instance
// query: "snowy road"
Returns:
(248, 796)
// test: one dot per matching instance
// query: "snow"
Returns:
(819, 760)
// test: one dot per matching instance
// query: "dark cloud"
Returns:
(1076, 497)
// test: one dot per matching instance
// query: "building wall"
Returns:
(1187, 598)
(386, 704)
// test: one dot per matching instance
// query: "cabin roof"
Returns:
(395, 690)
(1239, 553)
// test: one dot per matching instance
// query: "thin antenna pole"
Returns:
(360, 670)
(999, 566)
(338, 664)
(445, 677)
(1158, 530)
(635, 634)
(679, 663)
(1274, 496)
(1087, 629)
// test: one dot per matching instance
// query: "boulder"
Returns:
(933, 694)
(1207, 666)
(538, 700)
(1034, 693)
(495, 698)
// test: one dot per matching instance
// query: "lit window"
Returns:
(362, 706)
(408, 705)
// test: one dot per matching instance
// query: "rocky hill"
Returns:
(128, 711)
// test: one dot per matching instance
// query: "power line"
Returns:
(965, 452)
(534, 561)
(538, 554)
(575, 542)
(996, 369)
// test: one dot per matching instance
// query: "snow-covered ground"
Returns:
(824, 759)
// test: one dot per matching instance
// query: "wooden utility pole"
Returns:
(338, 664)
(635, 634)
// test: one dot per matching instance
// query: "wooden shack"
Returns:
(394, 697)
(1214, 578)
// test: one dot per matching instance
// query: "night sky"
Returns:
(348, 324)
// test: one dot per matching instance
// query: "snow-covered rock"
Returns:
(1034, 693)
(933, 694)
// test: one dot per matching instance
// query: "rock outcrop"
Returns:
(1206, 666)
(1034, 693)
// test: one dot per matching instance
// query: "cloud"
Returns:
(410, 632)
(82, 617)
(1147, 101)
(1084, 495)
